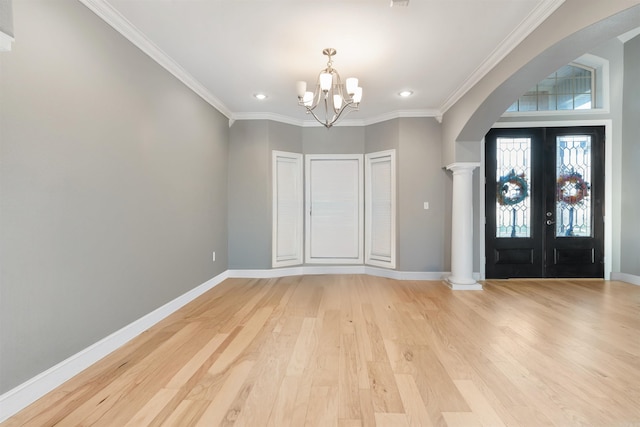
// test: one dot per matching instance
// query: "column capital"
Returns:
(462, 166)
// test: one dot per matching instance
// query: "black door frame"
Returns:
(608, 170)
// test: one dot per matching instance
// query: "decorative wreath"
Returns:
(512, 189)
(571, 188)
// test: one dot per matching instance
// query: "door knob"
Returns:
(550, 222)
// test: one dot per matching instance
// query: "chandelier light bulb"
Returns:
(326, 80)
(301, 88)
(337, 102)
(352, 84)
(307, 99)
(357, 96)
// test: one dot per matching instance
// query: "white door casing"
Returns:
(288, 208)
(334, 209)
(380, 209)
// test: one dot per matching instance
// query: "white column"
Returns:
(461, 277)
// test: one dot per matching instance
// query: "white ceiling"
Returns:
(228, 50)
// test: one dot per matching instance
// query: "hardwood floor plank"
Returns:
(186, 414)
(261, 386)
(241, 341)
(220, 406)
(152, 408)
(461, 419)
(417, 415)
(351, 350)
(385, 419)
(479, 405)
(348, 388)
(283, 407)
(323, 407)
(304, 347)
(196, 362)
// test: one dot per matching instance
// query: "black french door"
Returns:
(544, 202)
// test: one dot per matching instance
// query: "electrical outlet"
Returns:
(426, 205)
(213, 256)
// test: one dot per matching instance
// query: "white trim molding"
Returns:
(380, 205)
(28, 392)
(5, 42)
(338, 269)
(287, 183)
(538, 15)
(119, 23)
(333, 209)
(624, 277)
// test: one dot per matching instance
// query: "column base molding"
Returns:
(457, 284)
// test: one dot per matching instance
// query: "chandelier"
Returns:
(330, 92)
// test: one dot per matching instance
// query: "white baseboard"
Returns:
(28, 392)
(349, 269)
(624, 277)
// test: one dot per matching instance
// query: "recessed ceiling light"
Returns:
(406, 93)
(260, 96)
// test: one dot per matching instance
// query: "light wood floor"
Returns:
(361, 350)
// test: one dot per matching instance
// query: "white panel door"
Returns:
(380, 182)
(287, 209)
(334, 209)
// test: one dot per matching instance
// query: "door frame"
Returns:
(608, 186)
(359, 159)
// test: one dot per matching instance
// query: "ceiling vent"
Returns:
(401, 3)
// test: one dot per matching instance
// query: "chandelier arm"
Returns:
(351, 108)
(325, 124)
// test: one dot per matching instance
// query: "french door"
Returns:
(544, 202)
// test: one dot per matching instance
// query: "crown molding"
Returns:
(526, 27)
(435, 113)
(268, 116)
(5, 42)
(119, 23)
(629, 35)
(342, 123)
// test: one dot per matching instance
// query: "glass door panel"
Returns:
(573, 178)
(513, 204)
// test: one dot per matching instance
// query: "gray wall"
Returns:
(249, 200)
(630, 244)
(113, 184)
(423, 235)
(6, 17)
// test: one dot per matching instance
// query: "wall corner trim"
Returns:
(28, 392)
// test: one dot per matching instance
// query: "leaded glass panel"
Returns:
(573, 186)
(513, 202)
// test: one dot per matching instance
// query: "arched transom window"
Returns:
(569, 88)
